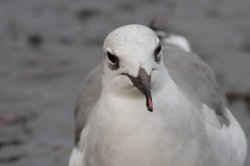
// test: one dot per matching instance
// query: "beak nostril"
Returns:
(140, 84)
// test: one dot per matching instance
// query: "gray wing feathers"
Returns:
(195, 78)
(87, 99)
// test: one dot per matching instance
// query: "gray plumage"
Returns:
(190, 73)
(190, 123)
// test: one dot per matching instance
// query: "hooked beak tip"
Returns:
(149, 104)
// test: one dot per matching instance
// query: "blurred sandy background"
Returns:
(48, 46)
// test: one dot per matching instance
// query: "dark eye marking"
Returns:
(157, 54)
(113, 61)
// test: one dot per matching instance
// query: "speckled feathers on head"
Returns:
(131, 37)
(134, 45)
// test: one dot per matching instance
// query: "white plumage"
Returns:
(190, 124)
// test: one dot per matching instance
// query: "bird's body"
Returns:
(190, 124)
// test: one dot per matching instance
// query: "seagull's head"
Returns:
(132, 62)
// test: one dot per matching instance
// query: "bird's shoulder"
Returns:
(196, 79)
(87, 99)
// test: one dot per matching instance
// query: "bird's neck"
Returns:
(133, 100)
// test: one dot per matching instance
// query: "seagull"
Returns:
(153, 102)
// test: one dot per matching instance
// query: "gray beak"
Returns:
(143, 83)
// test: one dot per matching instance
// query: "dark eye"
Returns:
(157, 53)
(113, 61)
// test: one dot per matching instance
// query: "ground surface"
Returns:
(47, 48)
